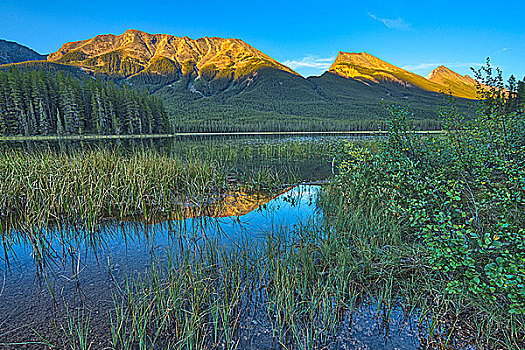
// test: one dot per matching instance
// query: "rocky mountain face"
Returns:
(208, 66)
(370, 69)
(217, 82)
(138, 54)
(11, 52)
(463, 86)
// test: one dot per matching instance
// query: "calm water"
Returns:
(82, 271)
(71, 269)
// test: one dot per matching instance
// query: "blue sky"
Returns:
(306, 35)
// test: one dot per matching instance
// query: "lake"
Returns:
(70, 286)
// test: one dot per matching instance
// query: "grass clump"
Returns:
(192, 299)
(43, 187)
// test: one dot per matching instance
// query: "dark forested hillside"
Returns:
(277, 100)
(274, 100)
(39, 102)
(12, 52)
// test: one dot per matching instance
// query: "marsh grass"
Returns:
(191, 300)
(39, 188)
(301, 286)
(252, 150)
(42, 188)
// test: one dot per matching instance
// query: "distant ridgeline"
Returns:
(39, 102)
(216, 85)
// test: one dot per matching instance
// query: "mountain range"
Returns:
(367, 68)
(213, 81)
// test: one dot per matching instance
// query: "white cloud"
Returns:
(310, 61)
(398, 23)
(505, 49)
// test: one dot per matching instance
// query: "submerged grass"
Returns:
(298, 289)
(83, 186)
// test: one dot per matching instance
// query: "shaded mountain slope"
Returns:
(12, 52)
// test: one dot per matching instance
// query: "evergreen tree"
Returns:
(521, 95)
(42, 103)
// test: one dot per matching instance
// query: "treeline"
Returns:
(37, 102)
(520, 96)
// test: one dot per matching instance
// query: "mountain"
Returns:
(460, 85)
(370, 69)
(12, 52)
(162, 59)
(217, 84)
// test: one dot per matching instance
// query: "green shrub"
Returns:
(462, 194)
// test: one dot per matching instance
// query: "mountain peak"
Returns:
(134, 31)
(367, 68)
(136, 52)
(362, 59)
(459, 85)
(441, 71)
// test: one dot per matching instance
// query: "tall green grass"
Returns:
(83, 187)
(300, 287)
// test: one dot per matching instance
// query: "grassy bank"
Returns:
(433, 226)
(83, 184)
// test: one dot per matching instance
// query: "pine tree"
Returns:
(60, 124)
(15, 116)
(40, 103)
(521, 95)
(4, 97)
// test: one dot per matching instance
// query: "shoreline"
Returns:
(183, 134)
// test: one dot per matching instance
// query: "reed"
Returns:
(76, 331)
(82, 184)
(302, 286)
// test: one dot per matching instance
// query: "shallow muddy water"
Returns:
(71, 272)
